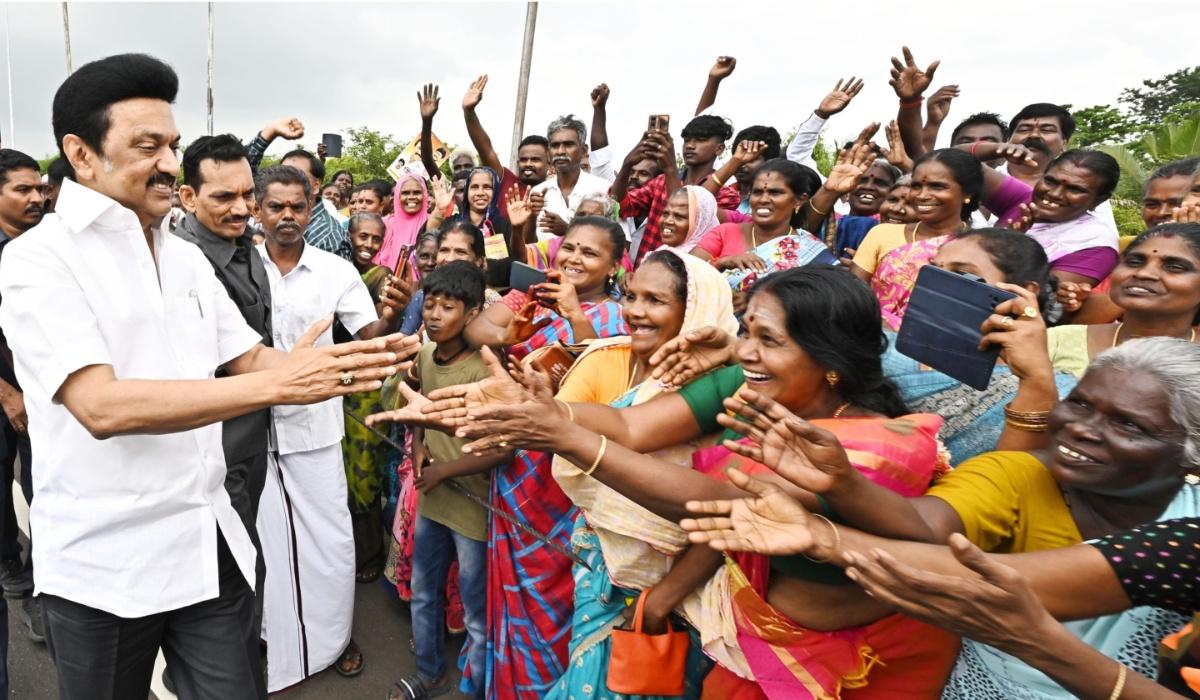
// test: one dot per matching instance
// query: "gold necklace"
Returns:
(841, 409)
(754, 235)
(1120, 325)
(914, 234)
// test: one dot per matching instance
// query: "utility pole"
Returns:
(210, 69)
(67, 36)
(12, 123)
(523, 80)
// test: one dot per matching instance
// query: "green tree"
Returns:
(366, 154)
(1158, 101)
(1173, 140)
(1102, 124)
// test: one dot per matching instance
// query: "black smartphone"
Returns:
(521, 277)
(941, 325)
(333, 145)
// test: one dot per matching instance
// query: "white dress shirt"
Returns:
(127, 525)
(321, 284)
(587, 184)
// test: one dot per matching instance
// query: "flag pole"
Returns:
(12, 122)
(523, 80)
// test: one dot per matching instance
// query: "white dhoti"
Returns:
(308, 547)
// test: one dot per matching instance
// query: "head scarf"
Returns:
(702, 218)
(402, 227)
(492, 213)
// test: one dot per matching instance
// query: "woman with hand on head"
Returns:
(1156, 284)
(945, 190)
(1121, 445)
(576, 302)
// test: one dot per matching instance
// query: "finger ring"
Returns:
(503, 443)
(1007, 321)
(1029, 312)
(347, 378)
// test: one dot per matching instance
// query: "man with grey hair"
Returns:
(565, 191)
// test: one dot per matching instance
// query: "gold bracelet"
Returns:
(814, 208)
(837, 541)
(599, 455)
(714, 178)
(570, 412)
(1028, 416)
(1028, 427)
(1120, 686)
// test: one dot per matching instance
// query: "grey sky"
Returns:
(337, 65)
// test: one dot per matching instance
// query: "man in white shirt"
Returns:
(117, 329)
(304, 519)
(570, 184)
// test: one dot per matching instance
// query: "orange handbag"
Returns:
(647, 664)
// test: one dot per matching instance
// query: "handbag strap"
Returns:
(639, 612)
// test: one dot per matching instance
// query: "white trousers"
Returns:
(308, 545)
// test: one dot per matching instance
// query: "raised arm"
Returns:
(429, 101)
(599, 138)
(721, 70)
(620, 186)
(289, 128)
(479, 137)
(937, 107)
(910, 83)
(807, 134)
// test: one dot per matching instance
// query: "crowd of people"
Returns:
(633, 426)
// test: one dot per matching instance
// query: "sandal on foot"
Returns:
(350, 663)
(368, 574)
(416, 688)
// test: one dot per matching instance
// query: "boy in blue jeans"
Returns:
(447, 522)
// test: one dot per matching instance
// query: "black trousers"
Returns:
(99, 656)
(12, 446)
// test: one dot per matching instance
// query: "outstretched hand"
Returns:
(996, 607)
(769, 522)
(686, 357)
(896, 153)
(449, 405)
(808, 456)
(428, 100)
(839, 97)
(309, 374)
(908, 81)
(937, 107)
(474, 94)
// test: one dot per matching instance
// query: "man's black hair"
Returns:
(978, 119)
(223, 148)
(1185, 166)
(707, 126)
(1066, 122)
(82, 101)
(766, 134)
(15, 160)
(314, 163)
(535, 140)
(459, 280)
(58, 170)
(280, 175)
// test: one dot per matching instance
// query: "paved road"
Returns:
(381, 628)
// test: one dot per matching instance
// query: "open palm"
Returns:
(771, 522)
(451, 404)
(908, 80)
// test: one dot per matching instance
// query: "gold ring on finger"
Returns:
(1007, 321)
(1029, 312)
(347, 378)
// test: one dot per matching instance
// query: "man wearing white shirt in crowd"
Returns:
(304, 518)
(117, 329)
(571, 183)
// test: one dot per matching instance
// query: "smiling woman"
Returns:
(1156, 285)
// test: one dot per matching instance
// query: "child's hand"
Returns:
(1072, 295)
(428, 478)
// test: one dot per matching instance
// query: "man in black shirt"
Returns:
(218, 193)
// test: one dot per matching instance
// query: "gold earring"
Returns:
(833, 378)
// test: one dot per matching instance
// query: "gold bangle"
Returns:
(1028, 427)
(837, 541)
(1026, 416)
(570, 412)
(714, 178)
(599, 455)
(1120, 685)
(814, 208)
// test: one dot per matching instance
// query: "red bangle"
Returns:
(973, 147)
(909, 104)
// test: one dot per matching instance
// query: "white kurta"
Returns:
(304, 517)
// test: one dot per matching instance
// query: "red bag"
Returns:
(647, 664)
